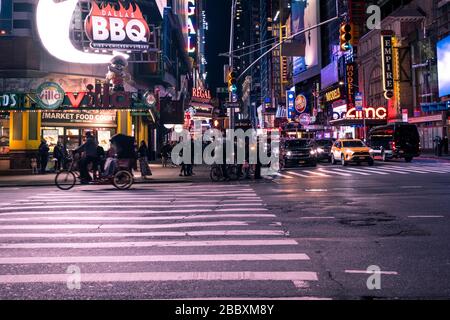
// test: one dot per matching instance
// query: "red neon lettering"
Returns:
(75, 101)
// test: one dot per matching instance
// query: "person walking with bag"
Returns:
(143, 153)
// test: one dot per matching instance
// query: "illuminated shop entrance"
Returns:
(70, 127)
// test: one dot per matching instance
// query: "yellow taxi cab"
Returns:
(351, 150)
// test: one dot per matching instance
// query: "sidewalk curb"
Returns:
(53, 184)
(435, 159)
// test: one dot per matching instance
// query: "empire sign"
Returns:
(388, 65)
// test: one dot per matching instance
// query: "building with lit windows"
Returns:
(57, 82)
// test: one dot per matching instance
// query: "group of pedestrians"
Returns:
(440, 146)
(92, 155)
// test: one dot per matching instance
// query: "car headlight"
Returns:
(289, 153)
(313, 152)
(371, 151)
(349, 151)
(320, 150)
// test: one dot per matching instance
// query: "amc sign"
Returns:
(121, 29)
(369, 113)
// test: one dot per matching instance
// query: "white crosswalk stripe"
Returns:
(350, 171)
(178, 233)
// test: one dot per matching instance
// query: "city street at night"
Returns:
(308, 234)
(224, 159)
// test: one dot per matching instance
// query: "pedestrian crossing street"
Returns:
(177, 241)
(330, 171)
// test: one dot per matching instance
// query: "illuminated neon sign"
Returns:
(387, 50)
(53, 20)
(191, 27)
(119, 28)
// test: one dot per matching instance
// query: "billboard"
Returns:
(443, 53)
(305, 14)
(117, 27)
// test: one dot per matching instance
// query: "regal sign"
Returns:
(201, 94)
(191, 27)
(115, 27)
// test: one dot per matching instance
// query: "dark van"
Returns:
(395, 141)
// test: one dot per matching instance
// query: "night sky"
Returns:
(217, 40)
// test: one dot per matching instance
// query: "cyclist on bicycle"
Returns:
(89, 149)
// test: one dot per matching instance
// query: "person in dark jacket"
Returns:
(60, 154)
(43, 155)
(143, 153)
(89, 150)
(445, 142)
(101, 160)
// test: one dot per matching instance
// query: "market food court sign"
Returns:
(106, 118)
(370, 113)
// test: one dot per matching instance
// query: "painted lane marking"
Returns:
(298, 174)
(32, 207)
(371, 170)
(164, 276)
(157, 258)
(134, 218)
(122, 226)
(411, 187)
(87, 211)
(406, 169)
(354, 171)
(316, 173)
(144, 244)
(283, 176)
(391, 273)
(393, 171)
(425, 217)
(318, 218)
(334, 172)
(147, 234)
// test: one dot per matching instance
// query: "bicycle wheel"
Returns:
(233, 173)
(65, 180)
(123, 180)
(216, 174)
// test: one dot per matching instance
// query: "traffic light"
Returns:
(346, 36)
(232, 81)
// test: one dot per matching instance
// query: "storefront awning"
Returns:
(202, 110)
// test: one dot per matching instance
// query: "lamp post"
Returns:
(231, 60)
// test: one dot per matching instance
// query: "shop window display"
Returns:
(4, 133)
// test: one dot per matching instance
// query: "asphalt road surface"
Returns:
(308, 233)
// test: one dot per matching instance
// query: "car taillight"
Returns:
(393, 146)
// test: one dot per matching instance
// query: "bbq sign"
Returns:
(116, 27)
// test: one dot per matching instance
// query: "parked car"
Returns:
(324, 149)
(395, 141)
(351, 150)
(297, 152)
